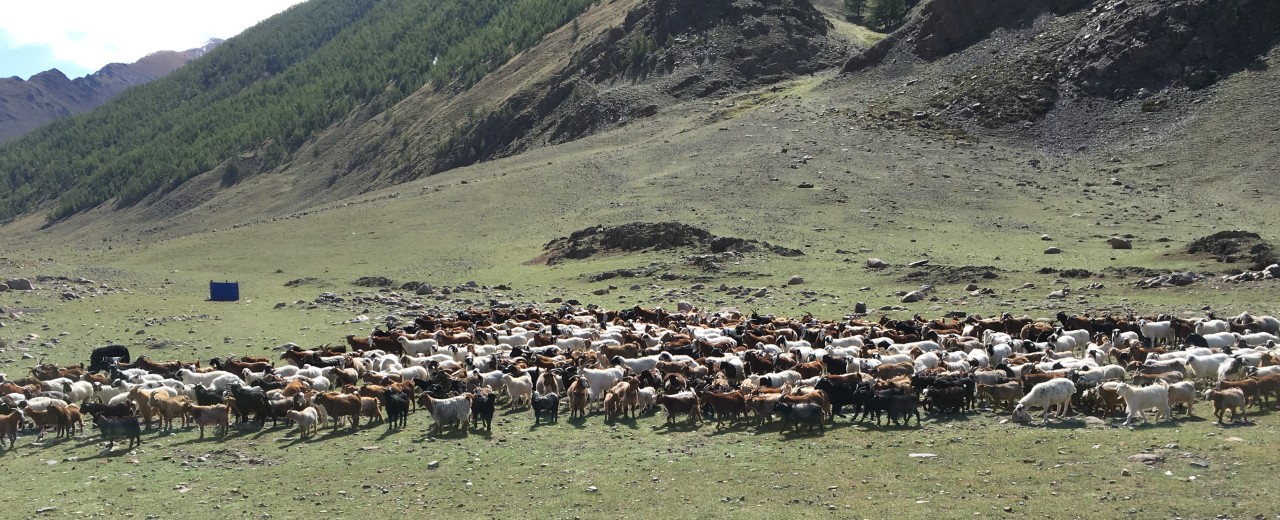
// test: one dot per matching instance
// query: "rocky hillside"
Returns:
(49, 95)
(1013, 60)
(657, 52)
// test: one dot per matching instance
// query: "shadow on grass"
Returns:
(683, 425)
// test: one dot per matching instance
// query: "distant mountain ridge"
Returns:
(49, 95)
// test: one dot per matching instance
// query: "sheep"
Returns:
(1207, 326)
(1258, 338)
(477, 379)
(307, 419)
(1215, 340)
(418, 347)
(777, 379)
(77, 391)
(1157, 332)
(208, 378)
(1098, 374)
(1229, 399)
(1046, 395)
(1138, 399)
(453, 410)
(519, 389)
(1182, 393)
(1203, 368)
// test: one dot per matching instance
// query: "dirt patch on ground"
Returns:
(950, 274)
(646, 236)
(1235, 246)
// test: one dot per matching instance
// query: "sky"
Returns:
(79, 37)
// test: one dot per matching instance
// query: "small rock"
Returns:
(281, 305)
(971, 287)
(912, 297)
(601, 291)
(876, 263)
(433, 464)
(1146, 458)
(795, 280)
(761, 293)
(1046, 237)
(1125, 472)
(1120, 243)
(684, 306)
(1052, 251)
(47, 509)
(860, 308)
(592, 489)
(918, 263)
(806, 185)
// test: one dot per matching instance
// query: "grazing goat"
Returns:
(1054, 392)
(113, 428)
(449, 411)
(338, 406)
(1182, 393)
(482, 405)
(548, 404)
(397, 404)
(579, 397)
(170, 407)
(732, 404)
(307, 419)
(9, 424)
(681, 403)
(216, 415)
(800, 413)
(1229, 399)
(519, 389)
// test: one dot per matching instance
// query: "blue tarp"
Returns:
(224, 291)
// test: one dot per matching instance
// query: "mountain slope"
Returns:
(270, 90)
(49, 95)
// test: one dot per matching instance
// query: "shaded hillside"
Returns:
(657, 52)
(49, 95)
(267, 91)
(1050, 49)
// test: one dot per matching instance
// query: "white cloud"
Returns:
(92, 33)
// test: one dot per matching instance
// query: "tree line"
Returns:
(270, 89)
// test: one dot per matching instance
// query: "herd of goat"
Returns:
(721, 367)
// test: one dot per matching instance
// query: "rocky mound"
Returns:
(645, 236)
(1236, 246)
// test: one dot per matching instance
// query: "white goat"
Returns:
(1181, 393)
(519, 389)
(1159, 332)
(1054, 392)
(1140, 398)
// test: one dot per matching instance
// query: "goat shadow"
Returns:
(682, 425)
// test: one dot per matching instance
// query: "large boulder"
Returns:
(20, 284)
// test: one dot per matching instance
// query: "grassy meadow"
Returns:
(732, 166)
